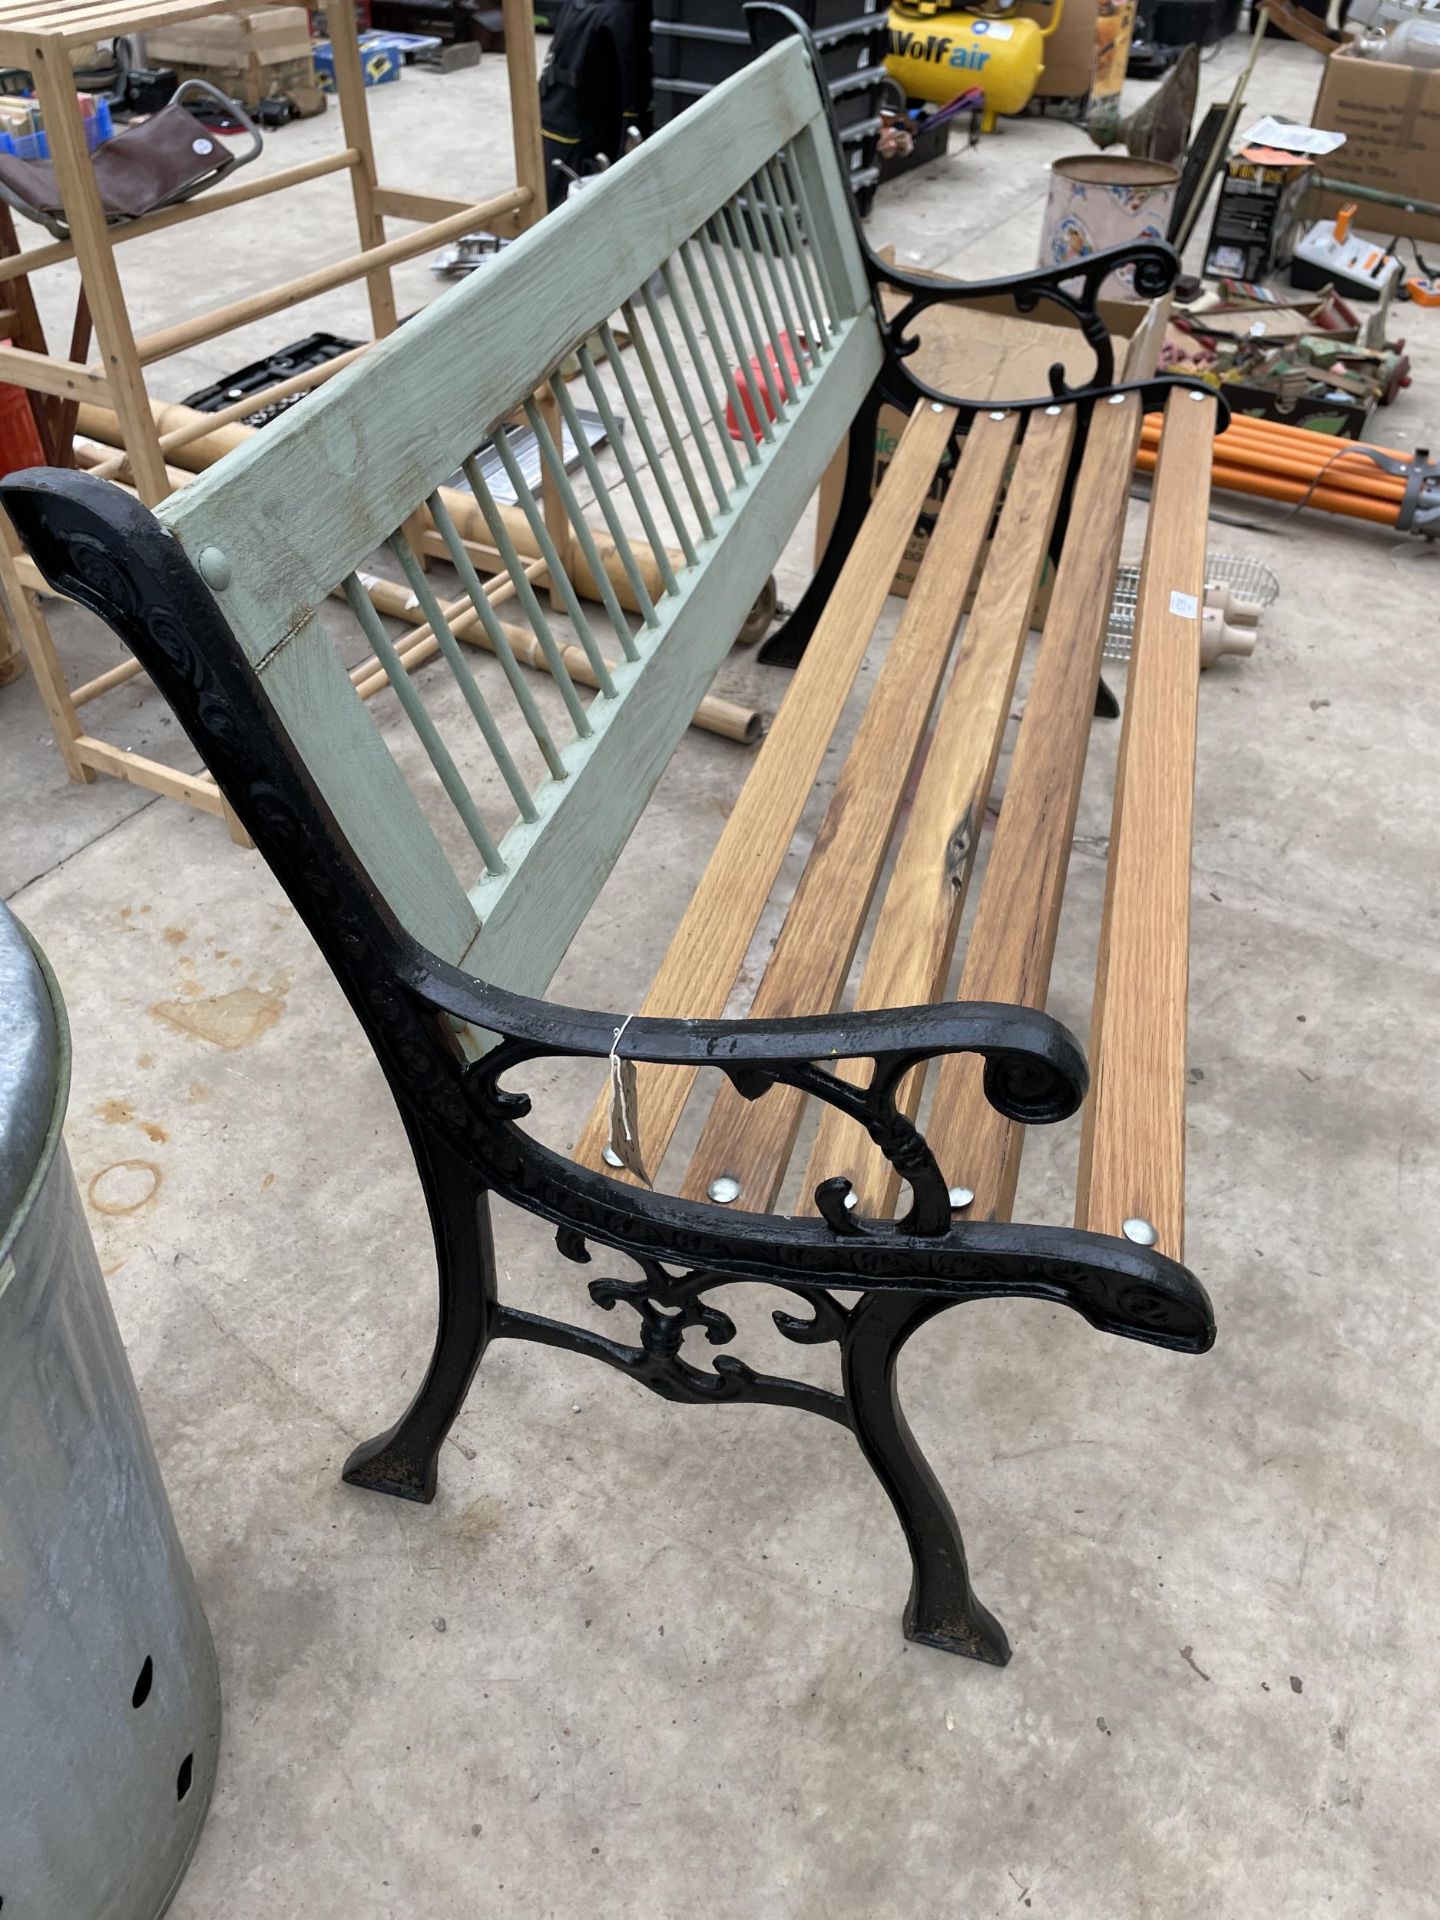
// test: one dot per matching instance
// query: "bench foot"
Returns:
(403, 1461)
(942, 1610)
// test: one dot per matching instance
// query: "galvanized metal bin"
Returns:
(109, 1696)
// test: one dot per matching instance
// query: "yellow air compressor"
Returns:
(936, 53)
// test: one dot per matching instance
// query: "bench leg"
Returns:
(786, 645)
(403, 1461)
(942, 1610)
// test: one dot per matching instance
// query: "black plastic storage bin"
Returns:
(697, 44)
(726, 14)
(1181, 23)
(704, 56)
(857, 99)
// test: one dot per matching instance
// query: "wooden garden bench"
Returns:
(741, 208)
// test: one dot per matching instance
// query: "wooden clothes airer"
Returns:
(165, 159)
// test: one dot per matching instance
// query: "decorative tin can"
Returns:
(1100, 200)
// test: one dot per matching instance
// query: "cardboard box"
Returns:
(1257, 214)
(1069, 51)
(1390, 116)
(249, 56)
(272, 35)
(985, 350)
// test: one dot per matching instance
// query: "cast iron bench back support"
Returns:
(745, 201)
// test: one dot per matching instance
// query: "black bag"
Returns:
(595, 83)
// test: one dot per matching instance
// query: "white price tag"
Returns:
(1185, 606)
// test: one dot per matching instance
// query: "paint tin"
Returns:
(1100, 200)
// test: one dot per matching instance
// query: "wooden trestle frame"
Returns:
(40, 35)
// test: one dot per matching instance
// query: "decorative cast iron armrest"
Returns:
(1035, 1070)
(1154, 265)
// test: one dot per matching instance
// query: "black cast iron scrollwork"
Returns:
(671, 1303)
(1072, 288)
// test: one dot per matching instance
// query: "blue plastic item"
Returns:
(36, 146)
(382, 57)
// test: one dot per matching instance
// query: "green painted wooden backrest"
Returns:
(729, 228)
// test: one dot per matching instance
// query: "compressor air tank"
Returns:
(936, 54)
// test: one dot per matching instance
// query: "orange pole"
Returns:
(1302, 436)
(1277, 429)
(1258, 458)
(1348, 456)
(1290, 492)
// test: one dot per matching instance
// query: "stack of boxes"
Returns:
(251, 56)
(695, 44)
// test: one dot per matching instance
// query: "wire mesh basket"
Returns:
(1247, 579)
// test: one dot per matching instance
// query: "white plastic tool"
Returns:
(1329, 254)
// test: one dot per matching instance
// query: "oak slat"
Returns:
(914, 937)
(1132, 1157)
(752, 1140)
(1013, 940)
(709, 945)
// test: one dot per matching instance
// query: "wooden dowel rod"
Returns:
(307, 286)
(93, 455)
(388, 597)
(32, 259)
(103, 682)
(714, 715)
(46, 373)
(198, 790)
(211, 443)
(251, 403)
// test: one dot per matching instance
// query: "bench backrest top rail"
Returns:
(721, 238)
(341, 471)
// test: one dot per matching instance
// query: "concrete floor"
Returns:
(644, 1661)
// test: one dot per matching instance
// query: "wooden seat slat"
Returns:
(1132, 1161)
(914, 937)
(699, 969)
(1012, 942)
(751, 1141)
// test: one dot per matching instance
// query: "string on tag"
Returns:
(623, 1148)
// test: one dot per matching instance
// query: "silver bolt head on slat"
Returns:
(610, 1157)
(723, 1189)
(1118, 399)
(961, 1197)
(214, 568)
(1140, 1231)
